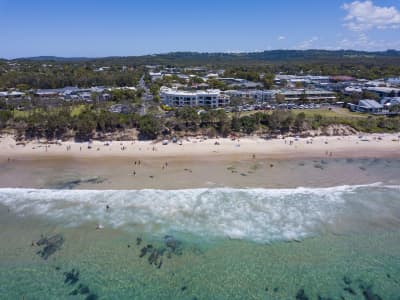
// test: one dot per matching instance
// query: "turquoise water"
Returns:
(306, 243)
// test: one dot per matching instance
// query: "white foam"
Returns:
(260, 215)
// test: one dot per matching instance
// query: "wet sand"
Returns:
(123, 173)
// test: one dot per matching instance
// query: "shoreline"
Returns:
(353, 146)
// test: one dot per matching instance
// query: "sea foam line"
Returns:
(260, 215)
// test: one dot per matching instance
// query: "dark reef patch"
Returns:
(50, 245)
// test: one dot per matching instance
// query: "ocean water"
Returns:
(339, 242)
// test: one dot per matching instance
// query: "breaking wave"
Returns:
(260, 215)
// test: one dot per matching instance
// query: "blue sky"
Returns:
(105, 28)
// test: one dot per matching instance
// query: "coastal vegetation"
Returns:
(85, 122)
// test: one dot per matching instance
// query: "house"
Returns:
(12, 95)
(349, 90)
(119, 108)
(155, 75)
(384, 91)
(369, 106)
(387, 102)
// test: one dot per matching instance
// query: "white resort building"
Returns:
(207, 98)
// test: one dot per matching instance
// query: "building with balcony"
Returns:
(207, 98)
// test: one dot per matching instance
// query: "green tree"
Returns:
(149, 127)
(299, 122)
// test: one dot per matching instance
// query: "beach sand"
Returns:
(244, 163)
(367, 145)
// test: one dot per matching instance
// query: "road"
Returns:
(147, 97)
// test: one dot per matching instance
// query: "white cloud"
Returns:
(281, 38)
(307, 44)
(363, 42)
(365, 15)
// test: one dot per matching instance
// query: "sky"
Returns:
(96, 28)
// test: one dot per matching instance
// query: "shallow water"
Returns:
(222, 243)
(196, 173)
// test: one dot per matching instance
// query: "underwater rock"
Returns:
(51, 245)
(138, 241)
(84, 290)
(318, 166)
(73, 293)
(350, 290)
(71, 277)
(143, 251)
(94, 180)
(160, 264)
(368, 293)
(81, 289)
(184, 288)
(92, 297)
(42, 241)
(153, 257)
(170, 242)
(173, 244)
(301, 295)
(70, 184)
(346, 280)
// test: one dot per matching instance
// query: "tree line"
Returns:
(93, 122)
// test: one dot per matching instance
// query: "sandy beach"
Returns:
(241, 163)
(366, 145)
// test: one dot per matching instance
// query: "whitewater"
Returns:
(258, 215)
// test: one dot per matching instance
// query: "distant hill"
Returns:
(273, 56)
(55, 58)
